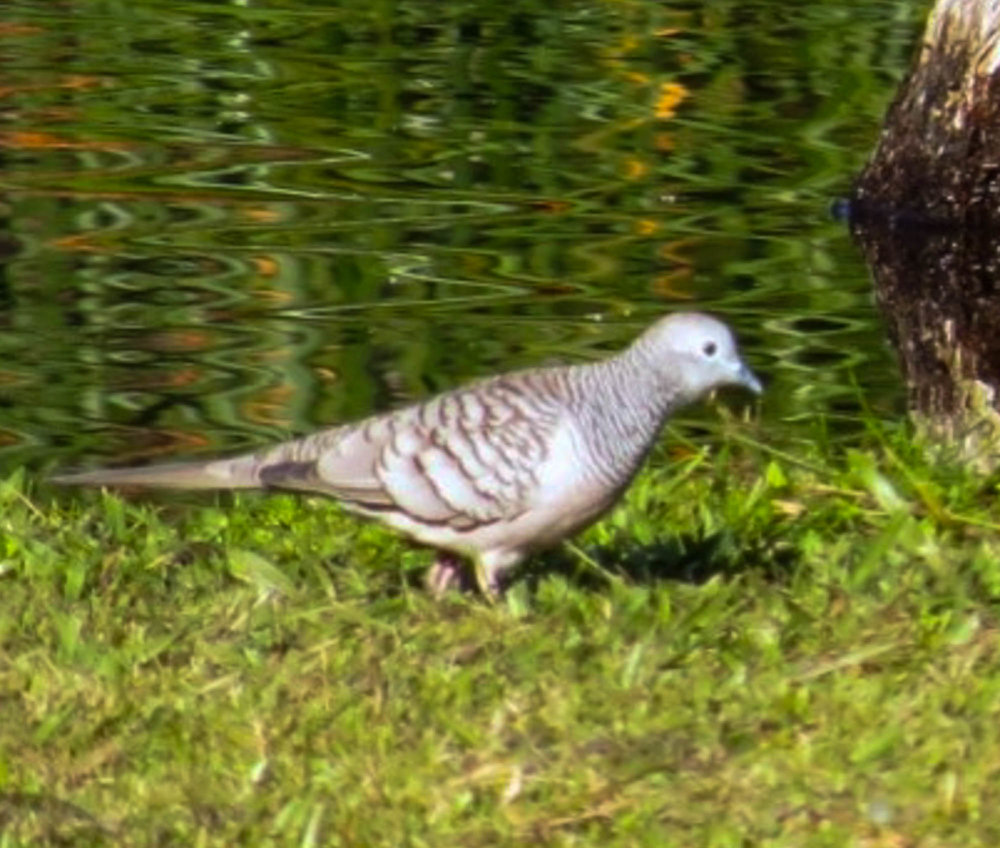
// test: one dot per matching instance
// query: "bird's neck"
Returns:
(638, 373)
(627, 402)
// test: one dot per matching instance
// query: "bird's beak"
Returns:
(746, 378)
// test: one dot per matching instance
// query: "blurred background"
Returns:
(223, 223)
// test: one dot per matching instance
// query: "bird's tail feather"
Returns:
(237, 473)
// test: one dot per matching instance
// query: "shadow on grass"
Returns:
(687, 558)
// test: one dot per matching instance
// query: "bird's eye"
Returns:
(709, 349)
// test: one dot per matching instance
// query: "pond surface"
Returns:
(224, 223)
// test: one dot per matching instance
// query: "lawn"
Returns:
(757, 648)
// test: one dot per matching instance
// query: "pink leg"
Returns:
(447, 572)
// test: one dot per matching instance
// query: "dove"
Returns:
(495, 470)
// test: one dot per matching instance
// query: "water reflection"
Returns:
(221, 223)
(937, 290)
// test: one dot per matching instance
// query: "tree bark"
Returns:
(938, 159)
(926, 211)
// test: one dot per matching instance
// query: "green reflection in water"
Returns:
(228, 222)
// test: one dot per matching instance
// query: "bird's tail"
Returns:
(236, 473)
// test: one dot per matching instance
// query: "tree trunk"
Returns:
(926, 211)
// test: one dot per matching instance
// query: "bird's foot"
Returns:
(448, 572)
(452, 572)
(494, 571)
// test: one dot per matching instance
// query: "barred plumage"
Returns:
(496, 469)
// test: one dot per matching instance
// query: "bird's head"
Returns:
(695, 353)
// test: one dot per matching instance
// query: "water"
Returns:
(224, 223)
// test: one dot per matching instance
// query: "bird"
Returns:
(497, 469)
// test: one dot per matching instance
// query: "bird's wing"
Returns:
(463, 459)
(460, 460)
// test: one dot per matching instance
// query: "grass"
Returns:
(755, 649)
